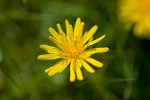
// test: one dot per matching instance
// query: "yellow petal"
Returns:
(48, 56)
(48, 69)
(87, 36)
(89, 52)
(67, 27)
(55, 68)
(79, 73)
(64, 65)
(78, 69)
(96, 40)
(90, 40)
(70, 32)
(53, 71)
(78, 62)
(54, 40)
(77, 27)
(58, 43)
(49, 49)
(72, 73)
(60, 29)
(72, 76)
(87, 67)
(94, 62)
(54, 33)
(81, 30)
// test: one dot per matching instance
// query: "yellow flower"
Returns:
(71, 49)
(136, 12)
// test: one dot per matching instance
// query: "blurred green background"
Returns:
(24, 26)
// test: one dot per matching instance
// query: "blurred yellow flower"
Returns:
(136, 12)
(71, 49)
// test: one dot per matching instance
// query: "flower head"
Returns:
(72, 50)
(136, 12)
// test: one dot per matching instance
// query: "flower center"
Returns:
(74, 52)
(144, 6)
